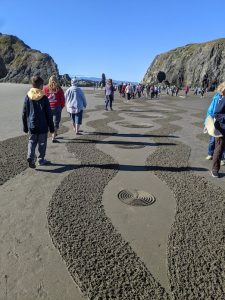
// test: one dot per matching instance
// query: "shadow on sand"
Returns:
(60, 168)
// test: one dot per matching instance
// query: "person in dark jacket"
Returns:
(37, 120)
(219, 116)
(109, 94)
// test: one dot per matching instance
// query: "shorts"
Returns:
(77, 118)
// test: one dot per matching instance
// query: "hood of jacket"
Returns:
(35, 94)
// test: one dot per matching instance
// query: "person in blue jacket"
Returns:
(37, 120)
(210, 112)
(219, 116)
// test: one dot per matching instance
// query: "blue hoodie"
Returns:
(213, 104)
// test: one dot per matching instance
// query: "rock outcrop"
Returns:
(194, 64)
(65, 80)
(18, 62)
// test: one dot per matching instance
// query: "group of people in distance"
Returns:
(43, 107)
(129, 90)
(42, 111)
(216, 147)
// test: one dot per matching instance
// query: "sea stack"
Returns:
(200, 64)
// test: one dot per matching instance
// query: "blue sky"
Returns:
(117, 37)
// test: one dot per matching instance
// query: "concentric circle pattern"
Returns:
(136, 198)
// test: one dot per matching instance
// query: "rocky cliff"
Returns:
(18, 62)
(194, 64)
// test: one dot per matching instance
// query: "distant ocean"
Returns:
(96, 79)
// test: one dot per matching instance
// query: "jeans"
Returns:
(128, 96)
(41, 141)
(109, 100)
(56, 112)
(77, 118)
(211, 147)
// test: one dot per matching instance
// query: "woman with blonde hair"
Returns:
(56, 98)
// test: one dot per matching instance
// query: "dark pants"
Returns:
(128, 96)
(211, 147)
(56, 112)
(41, 141)
(218, 152)
(109, 100)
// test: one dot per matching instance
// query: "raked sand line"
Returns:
(31, 267)
(102, 264)
(13, 155)
(145, 228)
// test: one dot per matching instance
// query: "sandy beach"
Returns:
(65, 234)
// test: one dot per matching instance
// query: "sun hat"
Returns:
(210, 127)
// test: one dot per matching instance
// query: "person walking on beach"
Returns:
(202, 92)
(37, 120)
(123, 90)
(109, 94)
(186, 90)
(56, 99)
(120, 89)
(129, 91)
(75, 104)
(138, 90)
(219, 116)
(210, 112)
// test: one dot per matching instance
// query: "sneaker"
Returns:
(209, 157)
(31, 163)
(42, 162)
(55, 141)
(215, 174)
(222, 162)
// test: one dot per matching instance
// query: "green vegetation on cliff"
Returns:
(20, 62)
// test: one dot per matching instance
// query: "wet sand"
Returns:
(172, 249)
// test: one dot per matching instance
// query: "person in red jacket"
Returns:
(186, 90)
(56, 99)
